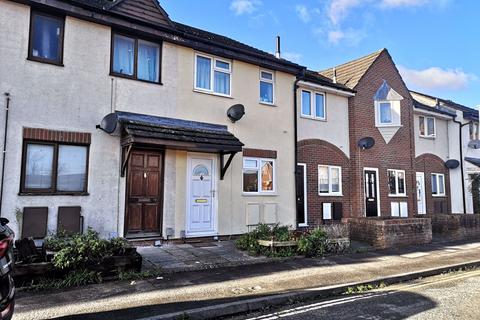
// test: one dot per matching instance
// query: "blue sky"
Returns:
(434, 43)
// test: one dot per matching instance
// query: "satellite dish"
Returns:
(236, 112)
(366, 143)
(474, 144)
(109, 123)
(452, 164)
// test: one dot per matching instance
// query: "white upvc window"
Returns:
(259, 176)
(267, 87)
(213, 75)
(396, 183)
(438, 185)
(387, 113)
(313, 105)
(329, 180)
(427, 127)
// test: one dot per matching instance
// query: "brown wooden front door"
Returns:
(144, 194)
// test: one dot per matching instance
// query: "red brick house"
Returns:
(382, 150)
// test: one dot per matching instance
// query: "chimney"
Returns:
(334, 75)
(277, 52)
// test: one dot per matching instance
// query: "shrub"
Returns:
(72, 279)
(313, 244)
(82, 250)
(249, 241)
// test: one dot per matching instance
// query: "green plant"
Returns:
(72, 279)
(249, 241)
(82, 250)
(366, 287)
(135, 275)
(313, 244)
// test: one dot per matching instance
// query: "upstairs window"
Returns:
(135, 58)
(473, 127)
(396, 183)
(46, 38)
(438, 184)
(266, 87)
(313, 105)
(213, 75)
(427, 127)
(258, 175)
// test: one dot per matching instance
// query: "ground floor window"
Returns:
(258, 175)
(396, 182)
(438, 184)
(475, 190)
(329, 180)
(50, 168)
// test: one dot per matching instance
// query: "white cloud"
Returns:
(240, 7)
(350, 37)
(292, 56)
(436, 78)
(339, 9)
(403, 3)
(303, 13)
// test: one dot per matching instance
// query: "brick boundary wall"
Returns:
(315, 152)
(456, 226)
(385, 233)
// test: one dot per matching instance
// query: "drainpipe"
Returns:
(460, 126)
(4, 152)
(295, 134)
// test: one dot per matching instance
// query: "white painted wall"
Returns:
(439, 145)
(334, 128)
(77, 96)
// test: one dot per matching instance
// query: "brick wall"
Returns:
(456, 226)
(399, 153)
(390, 232)
(56, 135)
(428, 164)
(313, 153)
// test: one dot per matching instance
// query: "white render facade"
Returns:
(76, 96)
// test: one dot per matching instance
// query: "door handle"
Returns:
(213, 193)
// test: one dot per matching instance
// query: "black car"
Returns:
(7, 288)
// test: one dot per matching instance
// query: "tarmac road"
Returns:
(450, 296)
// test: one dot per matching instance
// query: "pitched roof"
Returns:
(315, 77)
(151, 12)
(350, 73)
(445, 104)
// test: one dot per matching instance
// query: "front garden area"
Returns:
(281, 241)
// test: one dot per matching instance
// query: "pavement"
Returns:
(447, 296)
(225, 291)
(197, 256)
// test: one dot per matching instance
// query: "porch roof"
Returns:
(142, 129)
(474, 161)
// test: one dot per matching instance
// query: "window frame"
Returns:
(313, 104)
(136, 39)
(272, 81)
(474, 129)
(330, 192)
(52, 191)
(259, 176)
(30, 56)
(397, 194)
(436, 176)
(393, 111)
(213, 68)
(425, 126)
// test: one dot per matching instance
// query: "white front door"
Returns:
(201, 220)
(421, 193)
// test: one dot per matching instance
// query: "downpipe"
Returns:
(4, 151)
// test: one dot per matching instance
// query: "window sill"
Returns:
(313, 118)
(75, 194)
(330, 194)
(427, 137)
(117, 75)
(213, 93)
(378, 125)
(45, 61)
(268, 104)
(398, 196)
(251, 194)
(439, 195)
(303, 225)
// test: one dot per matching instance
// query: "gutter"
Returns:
(4, 151)
(460, 126)
(327, 89)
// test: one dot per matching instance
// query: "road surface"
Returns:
(450, 296)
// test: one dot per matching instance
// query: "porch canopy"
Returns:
(474, 161)
(145, 130)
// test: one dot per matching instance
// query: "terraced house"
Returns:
(120, 119)
(142, 126)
